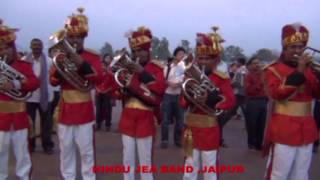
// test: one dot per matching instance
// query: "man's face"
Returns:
(206, 62)
(141, 55)
(7, 52)
(53, 52)
(292, 52)
(36, 47)
(107, 60)
(180, 55)
(76, 41)
(233, 68)
(255, 65)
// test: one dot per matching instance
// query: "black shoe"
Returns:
(315, 150)
(98, 127)
(251, 147)
(258, 147)
(164, 145)
(223, 143)
(48, 151)
(31, 149)
(108, 128)
(178, 144)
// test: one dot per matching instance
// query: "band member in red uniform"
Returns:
(202, 135)
(14, 121)
(291, 85)
(142, 93)
(76, 111)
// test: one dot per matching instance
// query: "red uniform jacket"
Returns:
(291, 120)
(138, 118)
(208, 138)
(76, 107)
(13, 113)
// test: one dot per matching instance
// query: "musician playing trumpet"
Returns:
(76, 111)
(202, 135)
(291, 85)
(14, 120)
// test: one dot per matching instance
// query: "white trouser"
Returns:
(289, 162)
(82, 137)
(208, 158)
(19, 141)
(144, 152)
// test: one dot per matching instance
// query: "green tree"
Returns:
(155, 47)
(107, 48)
(232, 53)
(266, 55)
(186, 45)
(163, 50)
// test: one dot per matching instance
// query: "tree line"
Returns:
(160, 50)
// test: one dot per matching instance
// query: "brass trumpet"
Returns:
(313, 64)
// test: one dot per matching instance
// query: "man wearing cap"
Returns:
(291, 85)
(76, 114)
(142, 94)
(202, 135)
(14, 121)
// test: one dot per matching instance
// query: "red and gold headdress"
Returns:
(209, 44)
(293, 33)
(140, 39)
(7, 34)
(77, 24)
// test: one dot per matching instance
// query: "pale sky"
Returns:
(250, 24)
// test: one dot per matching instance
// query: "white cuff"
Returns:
(16, 84)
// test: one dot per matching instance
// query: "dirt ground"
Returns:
(109, 153)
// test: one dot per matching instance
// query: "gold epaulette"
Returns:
(265, 67)
(24, 60)
(273, 70)
(158, 63)
(92, 51)
(221, 74)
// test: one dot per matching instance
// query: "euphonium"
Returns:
(119, 65)
(197, 85)
(9, 74)
(65, 65)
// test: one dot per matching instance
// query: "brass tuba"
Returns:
(9, 74)
(197, 85)
(65, 65)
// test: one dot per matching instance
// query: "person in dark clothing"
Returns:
(104, 101)
(256, 107)
(316, 113)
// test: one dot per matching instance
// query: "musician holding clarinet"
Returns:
(202, 135)
(16, 81)
(292, 85)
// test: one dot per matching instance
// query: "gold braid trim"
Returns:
(188, 142)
